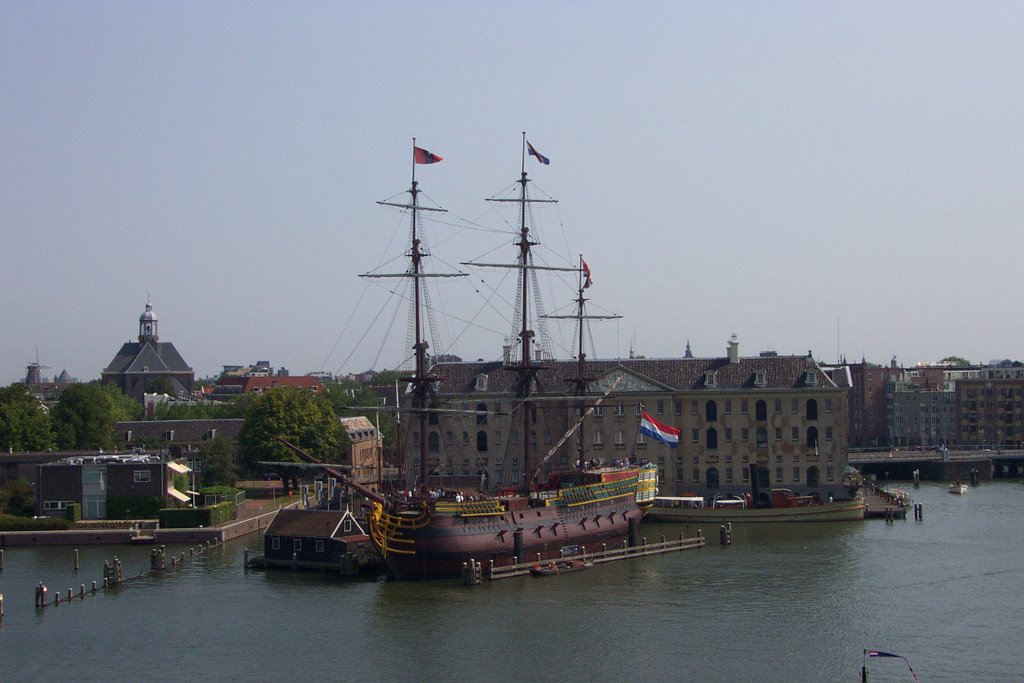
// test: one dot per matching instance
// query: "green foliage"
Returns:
(133, 507)
(218, 490)
(345, 394)
(202, 410)
(219, 462)
(24, 425)
(304, 419)
(18, 498)
(73, 513)
(159, 385)
(191, 518)
(14, 523)
(84, 416)
(957, 360)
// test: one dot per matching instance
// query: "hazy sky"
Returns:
(845, 177)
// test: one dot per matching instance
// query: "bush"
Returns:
(190, 518)
(12, 523)
(133, 507)
(73, 513)
(218, 490)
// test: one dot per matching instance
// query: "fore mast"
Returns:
(420, 379)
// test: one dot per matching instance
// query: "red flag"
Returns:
(586, 274)
(422, 156)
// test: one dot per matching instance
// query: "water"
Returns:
(783, 603)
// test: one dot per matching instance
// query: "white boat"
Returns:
(786, 507)
(957, 488)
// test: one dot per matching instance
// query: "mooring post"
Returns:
(1, 608)
(76, 559)
(1, 560)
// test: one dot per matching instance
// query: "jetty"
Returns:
(473, 572)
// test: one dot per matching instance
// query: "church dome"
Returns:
(148, 315)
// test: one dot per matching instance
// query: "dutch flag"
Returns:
(658, 430)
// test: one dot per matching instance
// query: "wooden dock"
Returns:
(473, 574)
(885, 503)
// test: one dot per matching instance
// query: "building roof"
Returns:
(358, 428)
(148, 356)
(665, 374)
(184, 430)
(306, 523)
(255, 383)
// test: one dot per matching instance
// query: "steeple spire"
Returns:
(148, 325)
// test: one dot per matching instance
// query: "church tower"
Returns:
(147, 325)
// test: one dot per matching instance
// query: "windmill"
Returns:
(33, 375)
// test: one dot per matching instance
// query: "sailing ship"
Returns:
(421, 535)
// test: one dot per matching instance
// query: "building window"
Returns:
(762, 437)
(481, 382)
(319, 545)
(728, 475)
(812, 378)
(693, 407)
(695, 475)
(481, 414)
(828, 433)
(142, 476)
(728, 434)
(759, 379)
(794, 406)
(828, 406)
(640, 439)
(465, 438)
(778, 475)
(297, 544)
(448, 436)
(778, 406)
(620, 438)
(812, 409)
(598, 411)
(598, 438)
(727, 406)
(275, 543)
(661, 407)
(761, 410)
(828, 473)
(778, 457)
(796, 475)
(744, 434)
(694, 435)
(812, 437)
(128, 436)
(710, 411)
(433, 442)
(794, 434)
(711, 378)
(712, 439)
(712, 478)
(679, 407)
(743, 406)
(620, 410)
(744, 475)
(778, 433)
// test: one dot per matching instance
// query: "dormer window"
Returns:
(711, 378)
(481, 382)
(760, 379)
(812, 378)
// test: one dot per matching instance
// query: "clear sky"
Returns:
(844, 177)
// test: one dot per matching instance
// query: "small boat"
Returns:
(957, 488)
(785, 507)
(556, 567)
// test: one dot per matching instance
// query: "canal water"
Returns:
(783, 603)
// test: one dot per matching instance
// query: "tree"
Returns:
(18, 498)
(219, 463)
(159, 385)
(304, 419)
(84, 416)
(24, 425)
(956, 360)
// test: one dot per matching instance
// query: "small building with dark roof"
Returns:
(147, 360)
(317, 539)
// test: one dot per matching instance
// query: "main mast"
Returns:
(420, 379)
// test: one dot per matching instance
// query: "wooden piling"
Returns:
(77, 560)
(1, 560)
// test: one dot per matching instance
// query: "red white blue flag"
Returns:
(659, 431)
(587, 280)
(540, 157)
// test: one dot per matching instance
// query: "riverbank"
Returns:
(253, 516)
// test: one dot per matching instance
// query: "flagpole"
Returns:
(414, 161)
(523, 154)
